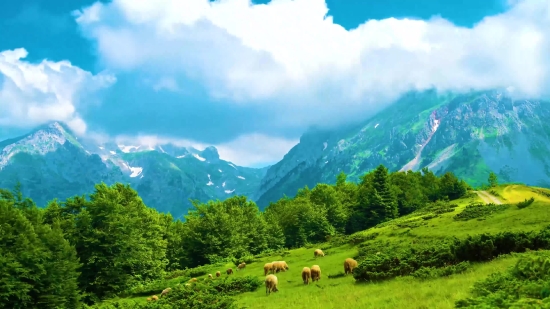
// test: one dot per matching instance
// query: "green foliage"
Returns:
(525, 203)
(208, 295)
(525, 283)
(443, 257)
(433, 272)
(111, 244)
(38, 265)
(493, 180)
(479, 211)
(232, 228)
(438, 207)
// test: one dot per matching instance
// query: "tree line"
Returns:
(85, 249)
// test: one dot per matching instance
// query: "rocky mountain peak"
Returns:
(211, 154)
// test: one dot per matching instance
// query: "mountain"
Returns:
(52, 162)
(469, 134)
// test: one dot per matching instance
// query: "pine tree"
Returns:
(382, 186)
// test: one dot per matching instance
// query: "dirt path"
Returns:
(488, 198)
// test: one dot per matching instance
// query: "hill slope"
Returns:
(50, 162)
(470, 135)
(337, 291)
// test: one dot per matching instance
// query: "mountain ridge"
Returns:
(51, 159)
(469, 134)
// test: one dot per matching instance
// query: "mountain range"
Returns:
(469, 134)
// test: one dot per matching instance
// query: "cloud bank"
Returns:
(32, 94)
(269, 71)
(290, 57)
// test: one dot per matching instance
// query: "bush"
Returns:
(237, 285)
(438, 207)
(390, 262)
(246, 259)
(526, 283)
(479, 211)
(433, 272)
(151, 288)
(525, 203)
(197, 271)
(209, 295)
(542, 192)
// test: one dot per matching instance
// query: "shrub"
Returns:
(175, 273)
(150, 288)
(479, 211)
(438, 207)
(526, 283)
(237, 285)
(542, 192)
(246, 259)
(390, 261)
(197, 271)
(433, 272)
(525, 203)
(209, 295)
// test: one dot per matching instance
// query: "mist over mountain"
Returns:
(468, 134)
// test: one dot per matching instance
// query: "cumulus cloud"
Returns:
(32, 94)
(291, 57)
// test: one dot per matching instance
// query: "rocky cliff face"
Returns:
(469, 134)
(51, 162)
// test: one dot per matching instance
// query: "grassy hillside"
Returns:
(335, 290)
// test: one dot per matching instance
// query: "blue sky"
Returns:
(250, 81)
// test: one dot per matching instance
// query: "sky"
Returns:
(251, 77)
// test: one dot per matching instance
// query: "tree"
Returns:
(326, 197)
(38, 265)
(118, 239)
(493, 180)
(451, 187)
(408, 190)
(382, 186)
(232, 228)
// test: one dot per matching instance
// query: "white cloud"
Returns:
(255, 149)
(290, 56)
(246, 150)
(32, 94)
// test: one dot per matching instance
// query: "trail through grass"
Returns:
(488, 198)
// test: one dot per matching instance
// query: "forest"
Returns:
(77, 252)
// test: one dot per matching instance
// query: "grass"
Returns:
(404, 292)
(335, 290)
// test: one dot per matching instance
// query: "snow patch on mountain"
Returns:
(229, 191)
(209, 183)
(241, 177)
(199, 157)
(126, 148)
(136, 171)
